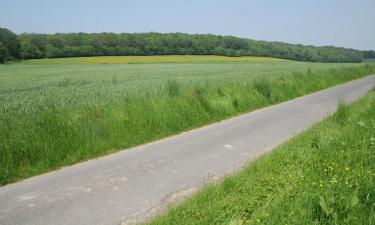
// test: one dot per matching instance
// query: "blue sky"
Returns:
(346, 23)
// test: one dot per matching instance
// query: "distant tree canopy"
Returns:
(10, 47)
(3, 53)
(368, 54)
(34, 46)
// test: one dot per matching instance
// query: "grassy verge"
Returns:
(48, 121)
(326, 175)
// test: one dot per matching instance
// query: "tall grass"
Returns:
(263, 86)
(326, 175)
(54, 115)
(342, 114)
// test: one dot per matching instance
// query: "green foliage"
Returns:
(10, 42)
(125, 44)
(34, 46)
(3, 53)
(369, 54)
(30, 51)
(53, 115)
(297, 183)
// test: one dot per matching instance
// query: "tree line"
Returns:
(369, 54)
(10, 46)
(35, 46)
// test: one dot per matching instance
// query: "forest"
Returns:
(370, 54)
(60, 45)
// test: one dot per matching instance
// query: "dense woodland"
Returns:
(369, 54)
(34, 46)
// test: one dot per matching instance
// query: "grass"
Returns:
(326, 175)
(149, 59)
(54, 115)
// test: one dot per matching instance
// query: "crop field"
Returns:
(149, 59)
(326, 175)
(56, 112)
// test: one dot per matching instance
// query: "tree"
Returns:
(11, 43)
(3, 53)
(30, 51)
(369, 54)
(111, 44)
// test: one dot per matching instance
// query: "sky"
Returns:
(344, 23)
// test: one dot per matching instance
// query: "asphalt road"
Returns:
(134, 184)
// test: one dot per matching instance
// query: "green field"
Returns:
(148, 59)
(55, 112)
(326, 175)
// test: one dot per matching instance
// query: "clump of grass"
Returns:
(331, 181)
(174, 88)
(342, 114)
(66, 82)
(263, 86)
(315, 141)
(114, 80)
(200, 96)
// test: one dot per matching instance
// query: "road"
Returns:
(134, 184)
